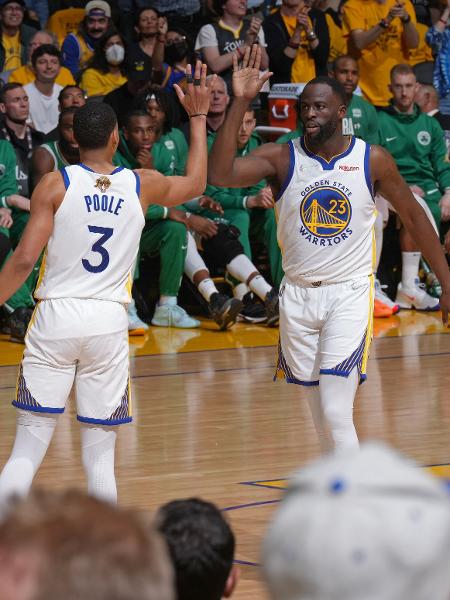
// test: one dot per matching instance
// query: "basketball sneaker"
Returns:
(224, 310)
(253, 311)
(416, 297)
(272, 307)
(172, 315)
(136, 326)
(383, 305)
(433, 286)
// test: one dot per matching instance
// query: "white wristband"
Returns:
(3, 202)
(166, 212)
(244, 201)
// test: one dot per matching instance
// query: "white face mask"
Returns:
(115, 54)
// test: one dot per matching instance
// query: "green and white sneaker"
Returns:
(172, 315)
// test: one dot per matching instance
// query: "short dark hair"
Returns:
(7, 88)
(201, 545)
(67, 87)
(141, 10)
(137, 112)
(45, 49)
(336, 87)
(340, 58)
(93, 124)
(71, 110)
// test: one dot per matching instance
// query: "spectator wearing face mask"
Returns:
(105, 72)
(178, 53)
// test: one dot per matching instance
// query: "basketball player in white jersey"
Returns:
(324, 185)
(89, 217)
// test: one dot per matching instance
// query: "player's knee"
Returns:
(225, 245)
(175, 230)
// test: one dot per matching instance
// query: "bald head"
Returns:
(427, 98)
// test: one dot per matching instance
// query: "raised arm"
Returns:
(44, 202)
(224, 169)
(171, 191)
(390, 184)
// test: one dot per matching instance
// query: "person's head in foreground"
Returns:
(201, 545)
(322, 106)
(367, 525)
(69, 546)
(95, 127)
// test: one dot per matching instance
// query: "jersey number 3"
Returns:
(98, 246)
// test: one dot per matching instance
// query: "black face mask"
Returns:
(175, 52)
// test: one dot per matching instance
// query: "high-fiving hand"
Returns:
(247, 79)
(197, 97)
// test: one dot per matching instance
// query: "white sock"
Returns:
(193, 261)
(97, 451)
(410, 268)
(313, 397)
(337, 395)
(33, 435)
(207, 288)
(167, 301)
(240, 290)
(378, 230)
(241, 267)
(259, 286)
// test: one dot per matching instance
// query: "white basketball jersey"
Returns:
(95, 238)
(325, 215)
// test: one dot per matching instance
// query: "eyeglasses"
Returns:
(13, 8)
(170, 42)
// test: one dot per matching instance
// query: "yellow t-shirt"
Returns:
(25, 74)
(423, 51)
(338, 44)
(95, 83)
(377, 59)
(12, 48)
(303, 68)
(63, 22)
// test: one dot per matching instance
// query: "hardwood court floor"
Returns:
(210, 422)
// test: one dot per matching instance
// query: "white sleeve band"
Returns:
(244, 201)
(166, 212)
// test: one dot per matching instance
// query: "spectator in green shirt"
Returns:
(18, 309)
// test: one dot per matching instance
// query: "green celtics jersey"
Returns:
(59, 160)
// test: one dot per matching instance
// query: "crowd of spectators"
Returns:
(391, 56)
(362, 524)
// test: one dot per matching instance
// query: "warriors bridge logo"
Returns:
(325, 213)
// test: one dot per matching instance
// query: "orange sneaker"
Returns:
(381, 310)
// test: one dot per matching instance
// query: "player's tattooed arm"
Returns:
(45, 201)
(390, 184)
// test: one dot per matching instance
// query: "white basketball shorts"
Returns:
(83, 342)
(324, 330)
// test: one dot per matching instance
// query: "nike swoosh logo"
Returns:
(392, 138)
(411, 298)
(184, 247)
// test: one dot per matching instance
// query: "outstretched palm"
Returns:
(247, 81)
